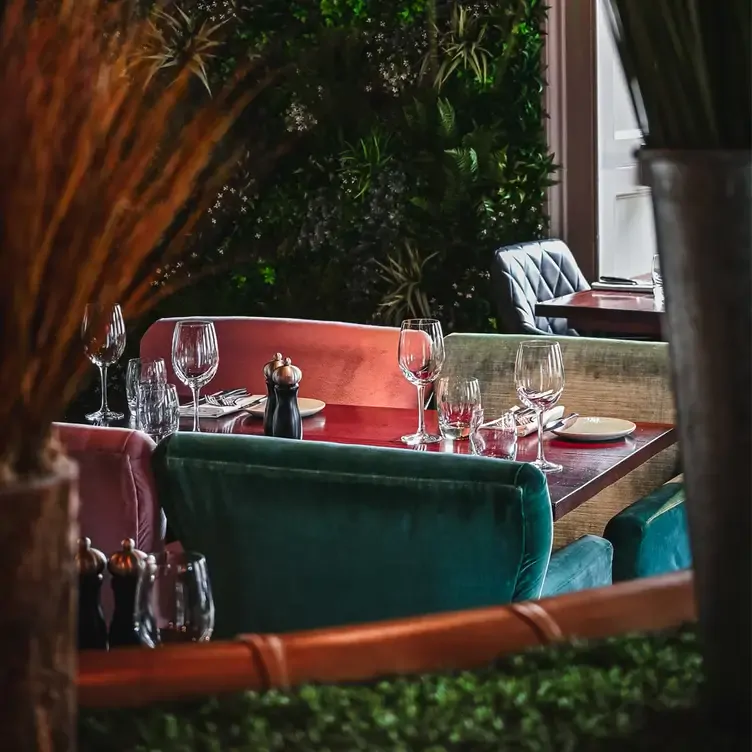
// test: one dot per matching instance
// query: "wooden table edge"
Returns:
(626, 465)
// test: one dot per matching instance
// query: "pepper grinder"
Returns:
(271, 397)
(125, 567)
(287, 422)
(92, 629)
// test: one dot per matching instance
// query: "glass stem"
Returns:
(421, 409)
(103, 408)
(195, 391)
(541, 459)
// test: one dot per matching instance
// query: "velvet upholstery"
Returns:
(650, 537)
(301, 535)
(345, 364)
(581, 565)
(604, 377)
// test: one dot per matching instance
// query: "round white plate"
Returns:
(597, 429)
(306, 406)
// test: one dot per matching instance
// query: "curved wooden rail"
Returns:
(462, 640)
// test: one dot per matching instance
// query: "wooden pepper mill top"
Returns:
(89, 560)
(277, 361)
(287, 374)
(128, 561)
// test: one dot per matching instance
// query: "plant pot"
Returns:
(38, 522)
(702, 202)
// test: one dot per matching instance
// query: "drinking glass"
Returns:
(539, 379)
(142, 371)
(195, 357)
(174, 600)
(103, 335)
(497, 438)
(157, 409)
(456, 401)
(421, 358)
(657, 276)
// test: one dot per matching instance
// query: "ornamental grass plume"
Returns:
(102, 178)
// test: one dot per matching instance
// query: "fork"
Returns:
(227, 398)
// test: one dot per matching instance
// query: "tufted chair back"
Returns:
(531, 273)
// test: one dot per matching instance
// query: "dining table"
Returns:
(588, 467)
(621, 311)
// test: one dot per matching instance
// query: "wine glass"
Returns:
(539, 379)
(103, 335)
(173, 600)
(421, 358)
(195, 357)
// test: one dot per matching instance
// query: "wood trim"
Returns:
(443, 642)
(572, 127)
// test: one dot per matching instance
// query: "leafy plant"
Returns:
(403, 274)
(689, 65)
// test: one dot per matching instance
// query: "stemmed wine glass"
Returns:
(539, 379)
(421, 358)
(195, 357)
(103, 335)
(173, 600)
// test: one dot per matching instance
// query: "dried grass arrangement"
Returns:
(98, 188)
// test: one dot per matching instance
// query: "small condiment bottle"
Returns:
(287, 423)
(92, 629)
(271, 397)
(125, 566)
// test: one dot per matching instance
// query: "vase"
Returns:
(38, 530)
(701, 204)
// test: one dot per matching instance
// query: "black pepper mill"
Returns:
(125, 567)
(271, 397)
(92, 629)
(287, 422)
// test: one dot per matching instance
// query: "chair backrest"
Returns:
(604, 377)
(346, 364)
(116, 486)
(651, 537)
(301, 535)
(530, 273)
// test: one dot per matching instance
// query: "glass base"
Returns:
(546, 466)
(102, 416)
(413, 439)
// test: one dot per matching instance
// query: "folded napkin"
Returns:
(529, 423)
(616, 287)
(215, 411)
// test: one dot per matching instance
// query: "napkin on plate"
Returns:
(215, 411)
(616, 287)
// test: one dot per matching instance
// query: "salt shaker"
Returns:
(271, 397)
(92, 629)
(287, 423)
(125, 567)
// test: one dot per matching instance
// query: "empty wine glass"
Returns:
(103, 335)
(142, 371)
(539, 380)
(173, 600)
(195, 357)
(421, 358)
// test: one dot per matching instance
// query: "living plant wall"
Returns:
(405, 141)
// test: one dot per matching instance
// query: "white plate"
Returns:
(597, 429)
(306, 405)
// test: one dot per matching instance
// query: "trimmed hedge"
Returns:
(634, 692)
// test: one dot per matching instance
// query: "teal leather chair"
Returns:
(300, 535)
(650, 537)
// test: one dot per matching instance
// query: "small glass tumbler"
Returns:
(657, 276)
(457, 400)
(142, 371)
(157, 410)
(497, 438)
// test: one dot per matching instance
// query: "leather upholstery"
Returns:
(345, 364)
(302, 535)
(651, 536)
(531, 273)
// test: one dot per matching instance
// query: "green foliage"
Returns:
(571, 697)
(411, 144)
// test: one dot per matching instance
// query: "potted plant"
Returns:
(688, 63)
(97, 190)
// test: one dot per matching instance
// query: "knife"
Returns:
(617, 281)
(564, 422)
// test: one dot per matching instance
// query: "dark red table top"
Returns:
(588, 467)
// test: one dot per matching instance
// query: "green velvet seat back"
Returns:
(651, 537)
(302, 535)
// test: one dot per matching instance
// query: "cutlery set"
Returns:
(230, 398)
